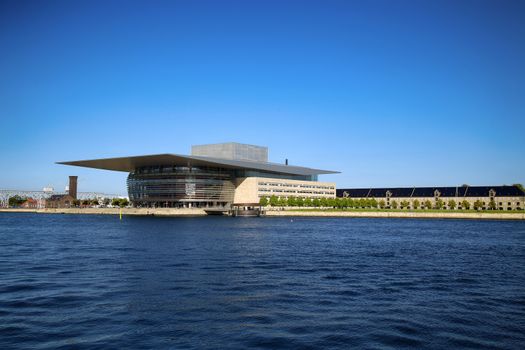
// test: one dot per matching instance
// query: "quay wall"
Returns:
(276, 213)
(114, 211)
(388, 214)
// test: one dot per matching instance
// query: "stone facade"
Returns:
(250, 190)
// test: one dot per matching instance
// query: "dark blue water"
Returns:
(94, 282)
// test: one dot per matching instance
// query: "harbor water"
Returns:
(97, 282)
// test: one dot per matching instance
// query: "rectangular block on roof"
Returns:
(232, 150)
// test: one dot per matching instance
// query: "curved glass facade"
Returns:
(177, 186)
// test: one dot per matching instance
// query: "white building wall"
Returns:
(252, 189)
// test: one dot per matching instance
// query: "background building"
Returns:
(30, 203)
(501, 197)
(217, 175)
(64, 200)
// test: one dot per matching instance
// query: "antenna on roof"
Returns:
(286, 161)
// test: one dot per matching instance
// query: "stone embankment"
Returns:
(392, 214)
(279, 213)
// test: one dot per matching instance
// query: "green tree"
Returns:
(308, 202)
(282, 201)
(428, 204)
(291, 201)
(465, 204)
(439, 204)
(416, 204)
(274, 201)
(382, 204)
(323, 202)
(362, 203)
(85, 202)
(478, 205)
(263, 202)
(393, 204)
(76, 202)
(492, 204)
(316, 202)
(94, 201)
(115, 202)
(520, 186)
(16, 201)
(123, 202)
(404, 204)
(299, 202)
(106, 201)
(373, 203)
(452, 204)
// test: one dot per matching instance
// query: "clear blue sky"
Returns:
(390, 93)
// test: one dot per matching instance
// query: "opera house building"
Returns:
(217, 175)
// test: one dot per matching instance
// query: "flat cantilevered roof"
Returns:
(129, 164)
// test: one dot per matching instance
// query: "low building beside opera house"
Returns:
(483, 197)
(218, 175)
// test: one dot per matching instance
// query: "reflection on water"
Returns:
(75, 281)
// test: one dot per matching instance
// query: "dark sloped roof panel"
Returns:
(501, 191)
(352, 192)
(446, 191)
(423, 192)
(463, 191)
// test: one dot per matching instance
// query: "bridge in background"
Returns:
(40, 195)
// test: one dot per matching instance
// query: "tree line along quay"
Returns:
(373, 204)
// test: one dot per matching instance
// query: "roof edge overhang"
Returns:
(129, 164)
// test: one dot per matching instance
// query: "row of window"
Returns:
(484, 203)
(500, 205)
(269, 192)
(459, 207)
(291, 190)
(296, 185)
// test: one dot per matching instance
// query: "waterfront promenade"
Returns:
(282, 213)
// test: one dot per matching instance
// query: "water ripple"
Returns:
(93, 282)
